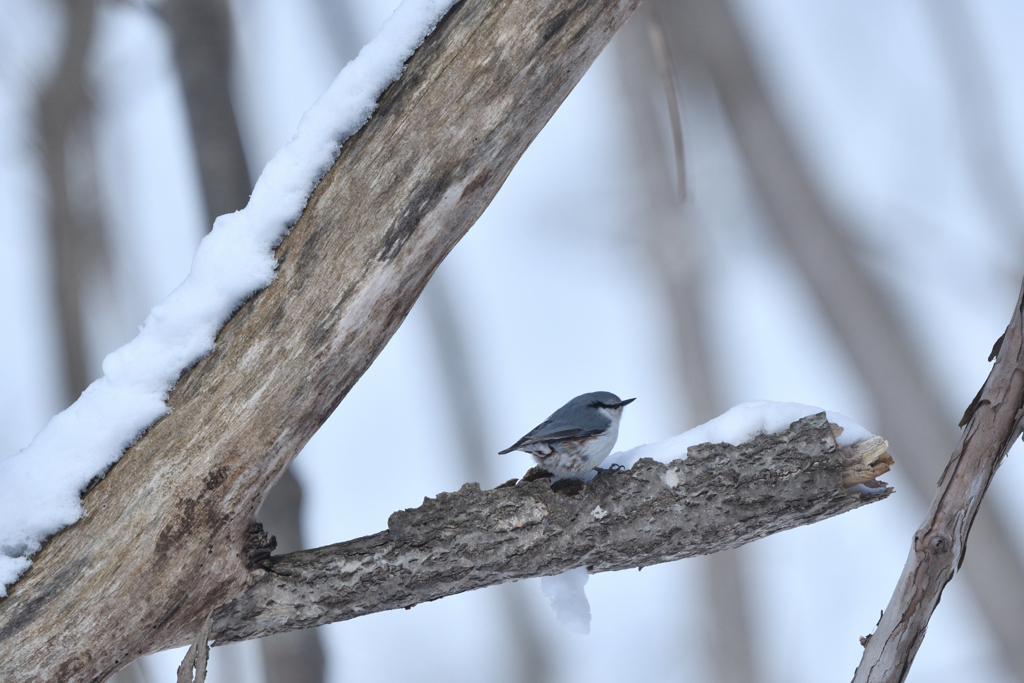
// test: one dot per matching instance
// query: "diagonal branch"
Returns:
(719, 497)
(160, 542)
(993, 423)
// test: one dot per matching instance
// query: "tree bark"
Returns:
(161, 542)
(202, 36)
(719, 497)
(993, 423)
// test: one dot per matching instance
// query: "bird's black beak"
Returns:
(624, 403)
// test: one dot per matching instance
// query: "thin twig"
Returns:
(198, 656)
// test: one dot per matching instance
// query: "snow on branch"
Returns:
(720, 496)
(157, 542)
(42, 484)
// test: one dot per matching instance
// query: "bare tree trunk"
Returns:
(401, 193)
(910, 414)
(673, 246)
(341, 29)
(78, 240)
(201, 30)
(294, 657)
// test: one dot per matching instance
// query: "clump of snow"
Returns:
(736, 426)
(42, 485)
(568, 598)
(865, 491)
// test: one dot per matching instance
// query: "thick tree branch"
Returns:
(719, 497)
(940, 544)
(160, 543)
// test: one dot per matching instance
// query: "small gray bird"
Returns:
(577, 437)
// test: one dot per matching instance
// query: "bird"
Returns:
(577, 437)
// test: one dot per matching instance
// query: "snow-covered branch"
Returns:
(720, 496)
(157, 544)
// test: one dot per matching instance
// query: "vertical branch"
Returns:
(464, 396)
(201, 32)
(910, 414)
(668, 78)
(76, 237)
(297, 655)
(673, 247)
(341, 29)
(80, 258)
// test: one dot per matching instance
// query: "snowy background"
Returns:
(555, 293)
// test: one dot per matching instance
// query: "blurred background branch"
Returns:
(679, 254)
(917, 425)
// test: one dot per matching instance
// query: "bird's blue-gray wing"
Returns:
(571, 421)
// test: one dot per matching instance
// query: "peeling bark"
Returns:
(719, 497)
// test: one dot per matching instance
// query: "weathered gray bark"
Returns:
(993, 424)
(202, 36)
(720, 497)
(161, 542)
(910, 413)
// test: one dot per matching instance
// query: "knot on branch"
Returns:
(934, 543)
(258, 547)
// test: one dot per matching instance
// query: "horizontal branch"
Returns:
(719, 497)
